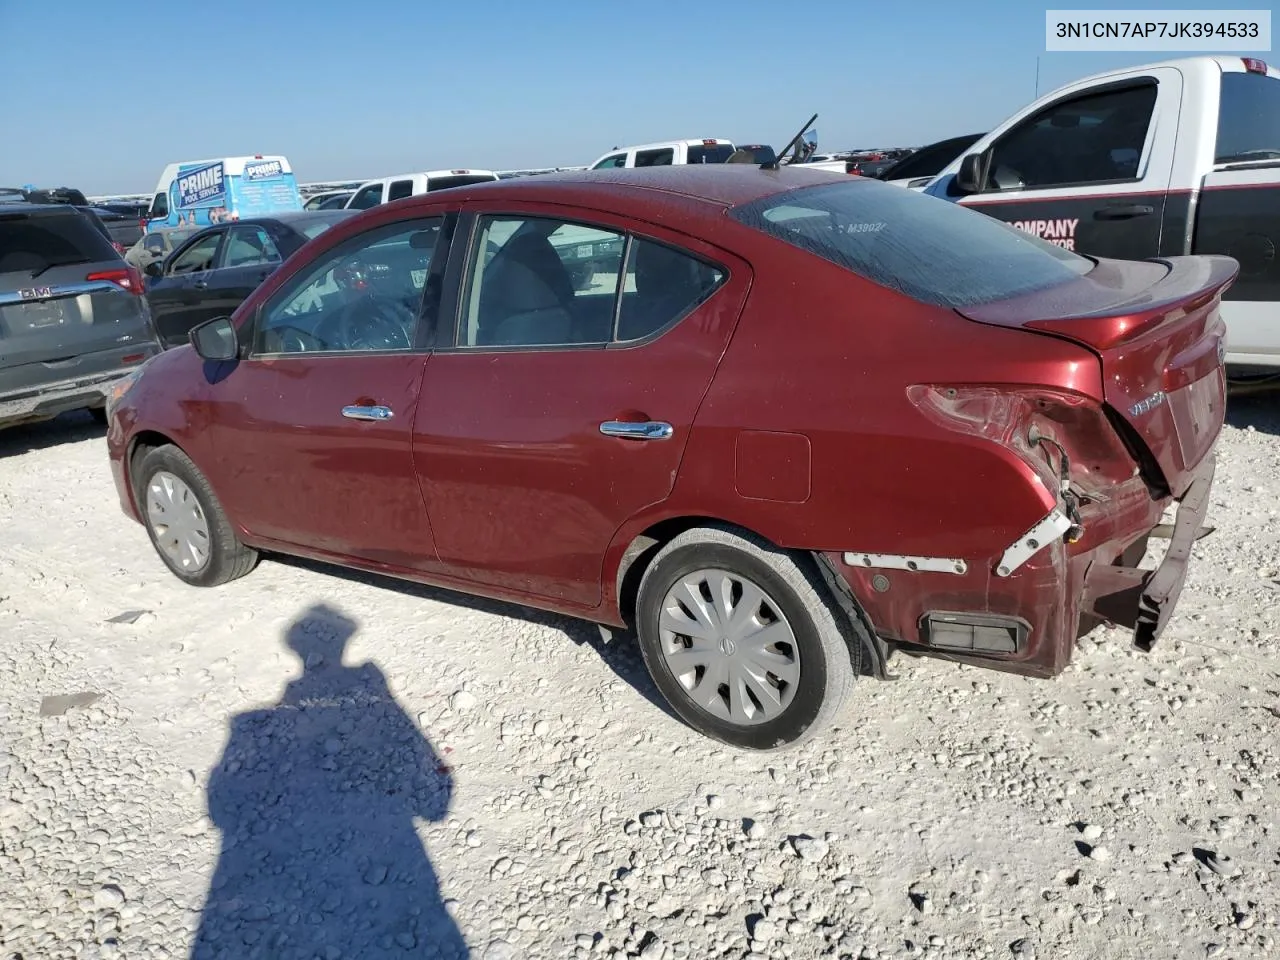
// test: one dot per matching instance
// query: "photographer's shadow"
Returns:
(316, 799)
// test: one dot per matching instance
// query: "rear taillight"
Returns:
(1065, 437)
(126, 278)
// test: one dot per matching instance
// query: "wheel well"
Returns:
(142, 444)
(641, 551)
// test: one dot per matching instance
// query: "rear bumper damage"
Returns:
(1144, 600)
(50, 400)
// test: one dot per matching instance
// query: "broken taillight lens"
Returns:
(1060, 435)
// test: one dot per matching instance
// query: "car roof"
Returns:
(43, 209)
(716, 185)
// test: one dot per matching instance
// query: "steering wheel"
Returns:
(374, 323)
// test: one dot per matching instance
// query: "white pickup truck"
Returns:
(1178, 157)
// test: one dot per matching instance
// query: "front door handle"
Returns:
(366, 413)
(200, 284)
(1124, 212)
(645, 430)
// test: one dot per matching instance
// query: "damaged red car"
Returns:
(782, 424)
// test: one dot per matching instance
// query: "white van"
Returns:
(667, 154)
(384, 190)
(196, 193)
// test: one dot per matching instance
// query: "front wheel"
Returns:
(187, 525)
(741, 642)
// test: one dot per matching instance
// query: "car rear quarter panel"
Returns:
(807, 435)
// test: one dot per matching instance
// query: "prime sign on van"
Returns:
(266, 170)
(200, 185)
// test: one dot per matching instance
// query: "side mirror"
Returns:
(972, 175)
(154, 268)
(216, 339)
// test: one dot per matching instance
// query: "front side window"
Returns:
(249, 246)
(537, 282)
(367, 197)
(932, 251)
(1097, 138)
(612, 162)
(200, 256)
(367, 294)
(160, 206)
(1248, 118)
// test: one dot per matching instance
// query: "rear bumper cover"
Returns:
(1144, 600)
(52, 399)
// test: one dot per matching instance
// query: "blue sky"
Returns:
(351, 90)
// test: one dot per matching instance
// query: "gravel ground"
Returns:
(221, 773)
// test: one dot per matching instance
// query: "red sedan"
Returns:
(780, 422)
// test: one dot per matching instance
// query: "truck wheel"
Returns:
(741, 641)
(187, 525)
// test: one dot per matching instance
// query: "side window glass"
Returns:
(1091, 139)
(609, 163)
(198, 257)
(655, 158)
(366, 295)
(1248, 118)
(540, 282)
(160, 206)
(154, 243)
(247, 246)
(367, 197)
(661, 285)
(399, 190)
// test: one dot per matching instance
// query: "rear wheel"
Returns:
(187, 525)
(740, 640)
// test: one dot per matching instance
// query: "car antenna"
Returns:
(773, 164)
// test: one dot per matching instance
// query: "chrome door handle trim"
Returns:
(367, 413)
(648, 430)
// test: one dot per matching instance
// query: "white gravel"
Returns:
(195, 791)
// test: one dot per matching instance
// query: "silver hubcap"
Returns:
(727, 643)
(181, 529)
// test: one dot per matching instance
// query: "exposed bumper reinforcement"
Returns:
(1145, 599)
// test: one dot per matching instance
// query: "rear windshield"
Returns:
(929, 249)
(718, 153)
(39, 241)
(444, 183)
(1248, 119)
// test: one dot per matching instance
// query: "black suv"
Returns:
(73, 318)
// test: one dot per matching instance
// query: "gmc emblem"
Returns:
(35, 293)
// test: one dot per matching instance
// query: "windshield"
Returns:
(929, 249)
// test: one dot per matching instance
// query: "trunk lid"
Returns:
(1156, 329)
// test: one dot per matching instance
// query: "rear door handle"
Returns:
(645, 430)
(366, 413)
(1124, 212)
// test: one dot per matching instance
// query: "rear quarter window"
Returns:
(1248, 118)
(927, 248)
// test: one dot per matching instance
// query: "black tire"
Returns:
(228, 559)
(829, 656)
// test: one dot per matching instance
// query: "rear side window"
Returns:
(655, 158)
(933, 251)
(37, 242)
(1248, 118)
(713, 153)
(399, 190)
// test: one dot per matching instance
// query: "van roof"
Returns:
(231, 166)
